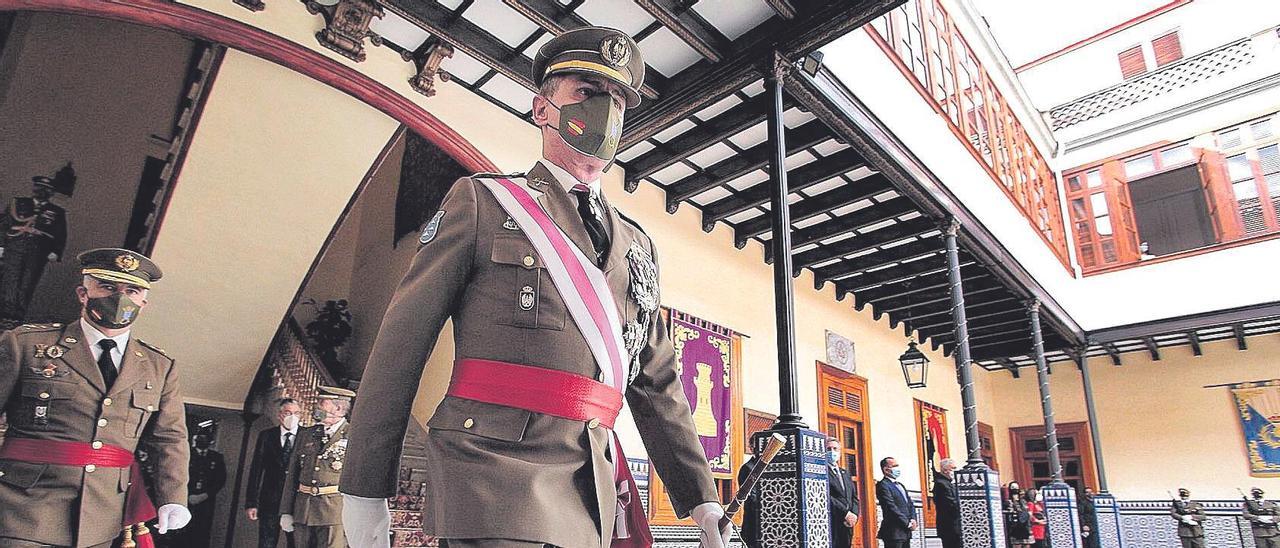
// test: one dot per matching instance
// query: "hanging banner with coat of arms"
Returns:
(1259, 406)
(931, 432)
(704, 362)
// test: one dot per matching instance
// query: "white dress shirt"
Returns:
(285, 431)
(329, 430)
(568, 180)
(92, 336)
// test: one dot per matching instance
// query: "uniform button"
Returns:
(317, 469)
(468, 423)
(107, 402)
(313, 481)
(44, 395)
(96, 445)
(151, 408)
(102, 422)
(593, 423)
(528, 260)
(90, 468)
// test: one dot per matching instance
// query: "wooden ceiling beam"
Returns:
(688, 26)
(873, 261)
(1152, 347)
(812, 173)
(923, 283)
(756, 157)
(836, 198)
(466, 37)
(860, 219)
(1113, 352)
(974, 312)
(1194, 338)
(729, 123)
(783, 8)
(1238, 329)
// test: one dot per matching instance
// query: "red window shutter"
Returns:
(1132, 63)
(1168, 48)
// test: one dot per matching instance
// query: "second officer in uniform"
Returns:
(1190, 515)
(80, 398)
(310, 503)
(1264, 519)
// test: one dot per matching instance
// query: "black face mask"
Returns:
(115, 311)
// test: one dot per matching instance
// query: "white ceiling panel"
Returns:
(667, 53)
(829, 147)
(709, 196)
(718, 107)
(451, 4)
(508, 91)
(532, 50)
(823, 186)
(501, 21)
(749, 180)
(672, 173)
(399, 31)
(755, 88)
(816, 219)
(674, 130)
(744, 216)
(799, 159)
(751, 136)
(635, 151)
(464, 67)
(734, 17)
(795, 117)
(712, 154)
(623, 15)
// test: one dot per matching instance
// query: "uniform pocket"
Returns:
(142, 405)
(534, 301)
(22, 475)
(41, 401)
(480, 419)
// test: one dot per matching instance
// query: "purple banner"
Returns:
(703, 356)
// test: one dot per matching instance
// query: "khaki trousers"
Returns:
(319, 536)
(1267, 542)
(1192, 542)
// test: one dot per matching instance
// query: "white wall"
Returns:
(1202, 25)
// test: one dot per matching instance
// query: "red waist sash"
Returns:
(568, 396)
(537, 389)
(138, 507)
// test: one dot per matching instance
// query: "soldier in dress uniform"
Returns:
(33, 231)
(1190, 515)
(80, 398)
(1263, 516)
(310, 502)
(554, 299)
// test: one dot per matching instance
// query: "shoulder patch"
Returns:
(432, 228)
(34, 327)
(152, 346)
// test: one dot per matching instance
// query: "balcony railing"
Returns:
(296, 372)
(1164, 80)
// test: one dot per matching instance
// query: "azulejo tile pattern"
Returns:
(1146, 524)
(1062, 515)
(981, 519)
(1108, 521)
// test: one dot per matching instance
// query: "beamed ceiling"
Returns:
(859, 218)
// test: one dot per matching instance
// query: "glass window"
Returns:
(1261, 129)
(1099, 202)
(1245, 189)
(1238, 168)
(1176, 155)
(1230, 139)
(1269, 159)
(1142, 165)
(1103, 222)
(1094, 178)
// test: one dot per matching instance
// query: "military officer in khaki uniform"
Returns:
(1190, 515)
(311, 503)
(80, 398)
(507, 474)
(1264, 517)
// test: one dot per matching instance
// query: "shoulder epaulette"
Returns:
(498, 176)
(633, 222)
(34, 327)
(153, 347)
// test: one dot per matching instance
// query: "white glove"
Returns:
(171, 517)
(707, 515)
(1188, 520)
(286, 523)
(1266, 519)
(53, 256)
(367, 521)
(1, 251)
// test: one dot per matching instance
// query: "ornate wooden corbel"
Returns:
(347, 25)
(427, 59)
(251, 5)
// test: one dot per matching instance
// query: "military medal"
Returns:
(49, 370)
(510, 224)
(40, 350)
(633, 335)
(41, 417)
(644, 278)
(336, 465)
(527, 298)
(55, 351)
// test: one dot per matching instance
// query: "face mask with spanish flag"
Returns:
(592, 127)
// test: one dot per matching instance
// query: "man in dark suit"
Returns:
(33, 231)
(266, 474)
(842, 500)
(895, 507)
(946, 502)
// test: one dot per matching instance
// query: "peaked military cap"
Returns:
(1183, 491)
(595, 50)
(119, 265)
(41, 180)
(335, 393)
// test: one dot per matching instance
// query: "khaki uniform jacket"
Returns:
(315, 464)
(64, 399)
(500, 472)
(1193, 509)
(1254, 509)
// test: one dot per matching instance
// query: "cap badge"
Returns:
(615, 51)
(127, 263)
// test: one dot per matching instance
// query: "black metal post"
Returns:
(784, 298)
(1046, 397)
(1094, 433)
(967, 399)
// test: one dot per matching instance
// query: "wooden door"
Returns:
(845, 418)
(1031, 456)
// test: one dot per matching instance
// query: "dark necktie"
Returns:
(108, 367)
(591, 219)
(288, 446)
